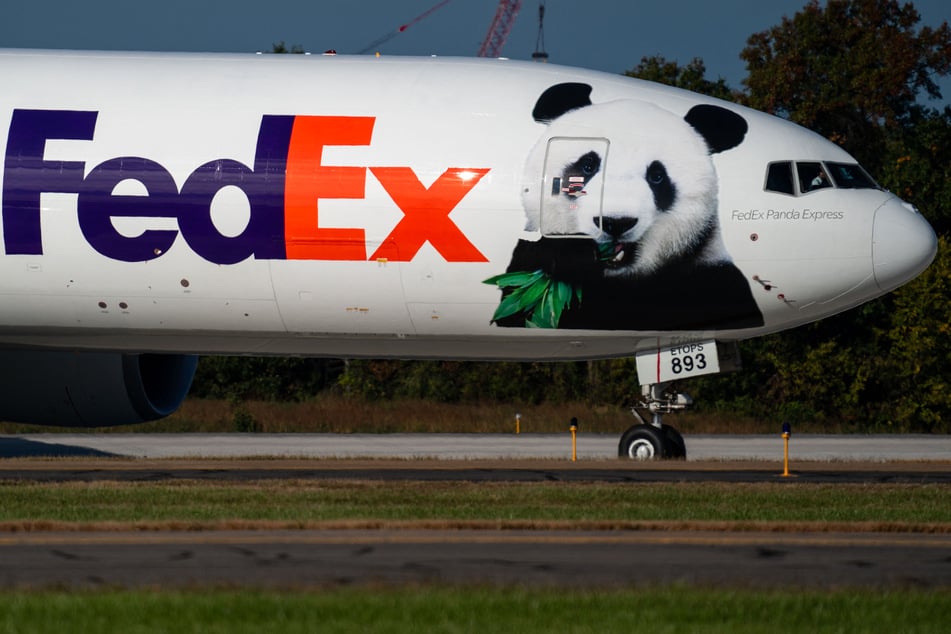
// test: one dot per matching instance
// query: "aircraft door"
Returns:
(572, 185)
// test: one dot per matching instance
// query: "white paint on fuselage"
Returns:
(430, 115)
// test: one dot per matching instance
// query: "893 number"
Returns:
(678, 361)
(688, 363)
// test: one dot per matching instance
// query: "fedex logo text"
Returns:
(283, 188)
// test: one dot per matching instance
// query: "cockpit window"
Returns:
(779, 178)
(850, 176)
(802, 177)
(812, 176)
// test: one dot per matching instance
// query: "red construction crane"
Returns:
(500, 28)
(374, 46)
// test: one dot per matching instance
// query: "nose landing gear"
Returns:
(654, 440)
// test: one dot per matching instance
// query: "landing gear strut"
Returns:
(654, 440)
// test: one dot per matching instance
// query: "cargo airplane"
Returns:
(156, 207)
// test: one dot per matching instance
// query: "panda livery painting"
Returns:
(630, 236)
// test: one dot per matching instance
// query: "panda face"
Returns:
(647, 192)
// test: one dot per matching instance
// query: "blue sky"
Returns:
(609, 35)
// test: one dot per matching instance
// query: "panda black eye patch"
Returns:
(586, 167)
(660, 183)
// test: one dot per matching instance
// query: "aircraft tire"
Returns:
(643, 443)
(677, 448)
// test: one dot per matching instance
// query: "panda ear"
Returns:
(559, 99)
(721, 128)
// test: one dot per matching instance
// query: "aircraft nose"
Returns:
(903, 244)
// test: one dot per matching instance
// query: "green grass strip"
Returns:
(427, 609)
(310, 500)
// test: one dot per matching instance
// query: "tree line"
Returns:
(861, 73)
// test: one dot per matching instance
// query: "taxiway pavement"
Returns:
(570, 559)
(809, 447)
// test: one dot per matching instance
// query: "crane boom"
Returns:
(389, 36)
(499, 30)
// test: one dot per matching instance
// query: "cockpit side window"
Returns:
(850, 176)
(812, 176)
(779, 178)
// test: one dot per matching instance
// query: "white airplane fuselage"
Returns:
(351, 206)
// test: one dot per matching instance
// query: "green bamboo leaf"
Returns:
(561, 296)
(528, 295)
(533, 293)
(516, 278)
(522, 300)
(536, 294)
(507, 307)
(544, 314)
(606, 251)
(533, 320)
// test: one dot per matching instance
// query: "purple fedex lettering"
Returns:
(97, 206)
(26, 175)
(263, 238)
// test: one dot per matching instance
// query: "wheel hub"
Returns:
(641, 450)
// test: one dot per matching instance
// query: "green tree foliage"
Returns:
(690, 77)
(264, 378)
(918, 364)
(281, 48)
(457, 381)
(847, 70)
(916, 164)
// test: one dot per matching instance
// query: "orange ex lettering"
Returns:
(426, 210)
(308, 181)
(426, 214)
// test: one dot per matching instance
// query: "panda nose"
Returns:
(615, 227)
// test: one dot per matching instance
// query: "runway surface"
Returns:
(409, 554)
(550, 558)
(468, 457)
(878, 448)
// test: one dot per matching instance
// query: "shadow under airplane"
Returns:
(13, 447)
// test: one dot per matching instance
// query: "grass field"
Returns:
(888, 506)
(482, 610)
